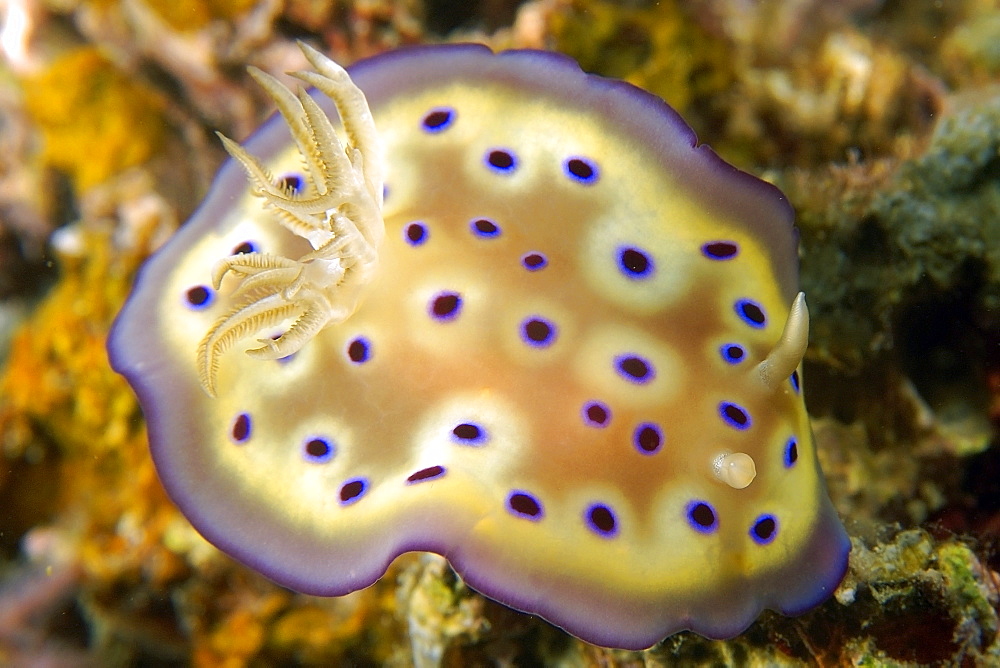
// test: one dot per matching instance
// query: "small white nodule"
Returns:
(736, 469)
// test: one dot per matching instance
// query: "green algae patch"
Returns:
(973, 592)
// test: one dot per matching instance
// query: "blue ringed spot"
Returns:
(352, 490)
(244, 248)
(485, 228)
(751, 313)
(241, 428)
(292, 183)
(634, 369)
(581, 170)
(359, 350)
(445, 306)
(534, 261)
(601, 519)
(764, 529)
(501, 160)
(429, 473)
(525, 505)
(701, 516)
(720, 250)
(469, 433)
(732, 353)
(318, 450)
(438, 119)
(199, 297)
(538, 332)
(596, 414)
(735, 416)
(791, 454)
(415, 234)
(634, 263)
(648, 438)
(794, 379)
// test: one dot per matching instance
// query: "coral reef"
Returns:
(926, 228)
(773, 83)
(918, 317)
(878, 119)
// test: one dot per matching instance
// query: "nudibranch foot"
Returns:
(338, 211)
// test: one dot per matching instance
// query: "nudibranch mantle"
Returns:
(570, 367)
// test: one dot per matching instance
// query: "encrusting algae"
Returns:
(95, 121)
(116, 574)
(192, 15)
(659, 48)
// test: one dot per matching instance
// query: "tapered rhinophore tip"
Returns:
(787, 353)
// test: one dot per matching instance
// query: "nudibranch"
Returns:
(563, 352)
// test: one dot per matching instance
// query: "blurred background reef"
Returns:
(880, 119)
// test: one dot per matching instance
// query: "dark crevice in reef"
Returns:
(444, 16)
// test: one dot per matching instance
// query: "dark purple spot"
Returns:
(415, 234)
(352, 490)
(484, 227)
(524, 505)
(429, 473)
(648, 438)
(764, 529)
(791, 452)
(732, 353)
(245, 247)
(291, 183)
(241, 428)
(582, 170)
(720, 250)
(318, 450)
(751, 313)
(534, 261)
(634, 263)
(735, 416)
(596, 414)
(437, 120)
(702, 517)
(634, 369)
(795, 381)
(538, 332)
(469, 433)
(446, 305)
(200, 296)
(601, 520)
(359, 350)
(501, 161)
